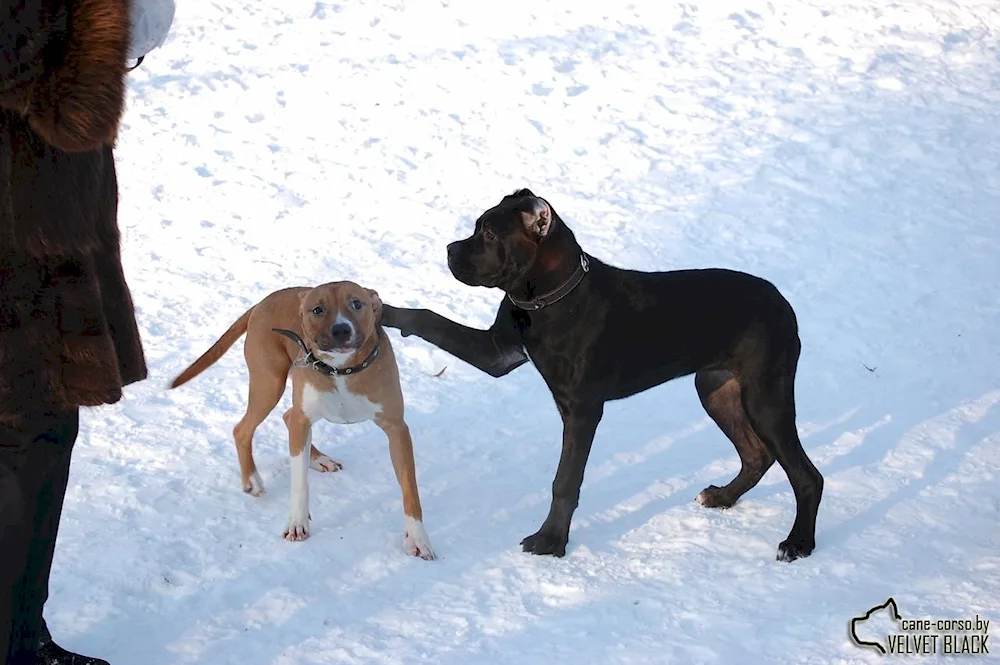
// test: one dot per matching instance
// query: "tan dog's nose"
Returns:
(341, 333)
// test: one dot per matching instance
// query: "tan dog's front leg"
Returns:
(415, 537)
(299, 446)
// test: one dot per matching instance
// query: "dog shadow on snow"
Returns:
(360, 582)
(294, 590)
(643, 465)
(702, 455)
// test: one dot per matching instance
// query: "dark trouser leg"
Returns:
(34, 470)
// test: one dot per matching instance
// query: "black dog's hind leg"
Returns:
(496, 351)
(720, 394)
(579, 426)
(769, 400)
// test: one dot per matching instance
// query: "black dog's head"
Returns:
(505, 242)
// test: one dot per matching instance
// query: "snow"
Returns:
(849, 152)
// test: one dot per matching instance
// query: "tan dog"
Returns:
(343, 370)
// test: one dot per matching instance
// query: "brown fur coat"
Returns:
(68, 334)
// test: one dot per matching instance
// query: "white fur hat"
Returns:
(150, 21)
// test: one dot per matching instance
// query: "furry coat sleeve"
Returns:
(68, 334)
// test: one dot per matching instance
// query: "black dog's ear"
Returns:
(537, 218)
(519, 194)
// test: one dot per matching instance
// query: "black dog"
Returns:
(598, 333)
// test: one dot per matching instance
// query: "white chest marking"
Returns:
(338, 405)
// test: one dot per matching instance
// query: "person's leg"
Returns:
(47, 525)
(17, 513)
(50, 653)
(39, 462)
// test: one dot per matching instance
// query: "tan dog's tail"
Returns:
(216, 351)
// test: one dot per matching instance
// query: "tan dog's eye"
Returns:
(356, 304)
(489, 235)
(317, 311)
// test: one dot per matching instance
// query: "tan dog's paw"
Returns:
(297, 528)
(298, 524)
(325, 464)
(255, 487)
(415, 540)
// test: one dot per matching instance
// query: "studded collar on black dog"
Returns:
(312, 361)
(557, 293)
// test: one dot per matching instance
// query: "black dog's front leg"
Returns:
(579, 427)
(496, 351)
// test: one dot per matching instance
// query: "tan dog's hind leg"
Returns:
(266, 389)
(415, 537)
(322, 462)
(299, 439)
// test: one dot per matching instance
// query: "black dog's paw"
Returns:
(795, 548)
(715, 497)
(544, 542)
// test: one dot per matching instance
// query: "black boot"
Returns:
(50, 653)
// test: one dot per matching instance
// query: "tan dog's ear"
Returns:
(376, 304)
(538, 220)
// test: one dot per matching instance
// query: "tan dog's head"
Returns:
(338, 318)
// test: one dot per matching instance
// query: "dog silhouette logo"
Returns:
(856, 622)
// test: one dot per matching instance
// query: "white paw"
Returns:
(325, 464)
(256, 486)
(297, 528)
(415, 540)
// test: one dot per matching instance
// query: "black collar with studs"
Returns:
(315, 363)
(558, 293)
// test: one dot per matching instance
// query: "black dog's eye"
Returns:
(489, 235)
(317, 311)
(356, 304)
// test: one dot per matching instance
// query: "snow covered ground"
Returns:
(848, 151)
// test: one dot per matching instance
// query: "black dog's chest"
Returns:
(561, 349)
